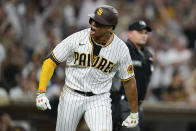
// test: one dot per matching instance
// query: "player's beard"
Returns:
(102, 37)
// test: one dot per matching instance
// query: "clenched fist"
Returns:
(42, 102)
(131, 121)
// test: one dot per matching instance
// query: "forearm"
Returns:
(131, 94)
(48, 68)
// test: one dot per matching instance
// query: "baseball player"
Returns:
(92, 57)
(138, 33)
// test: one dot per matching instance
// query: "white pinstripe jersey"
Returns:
(93, 74)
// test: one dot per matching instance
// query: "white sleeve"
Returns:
(126, 70)
(63, 50)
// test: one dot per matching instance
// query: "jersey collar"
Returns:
(108, 43)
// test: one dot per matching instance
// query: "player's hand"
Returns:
(42, 102)
(131, 121)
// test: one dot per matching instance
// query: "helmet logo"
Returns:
(99, 11)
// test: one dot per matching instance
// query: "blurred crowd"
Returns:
(30, 29)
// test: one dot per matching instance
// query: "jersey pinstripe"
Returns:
(73, 105)
(89, 73)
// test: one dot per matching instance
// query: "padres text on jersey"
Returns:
(77, 51)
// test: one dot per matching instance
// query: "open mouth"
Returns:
(92, 31)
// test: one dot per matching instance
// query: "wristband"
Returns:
(41, 91)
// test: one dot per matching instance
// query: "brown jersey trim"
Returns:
(92, 49)
(128, 78)
(110, 40)
(53, 58)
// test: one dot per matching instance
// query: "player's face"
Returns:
(99, 30)
(139, 37)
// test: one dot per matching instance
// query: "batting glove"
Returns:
(42, 102)
(131, 121)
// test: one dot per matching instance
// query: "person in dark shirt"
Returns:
(175, 91)
(138, 33)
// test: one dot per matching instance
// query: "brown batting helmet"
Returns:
(105, 15)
